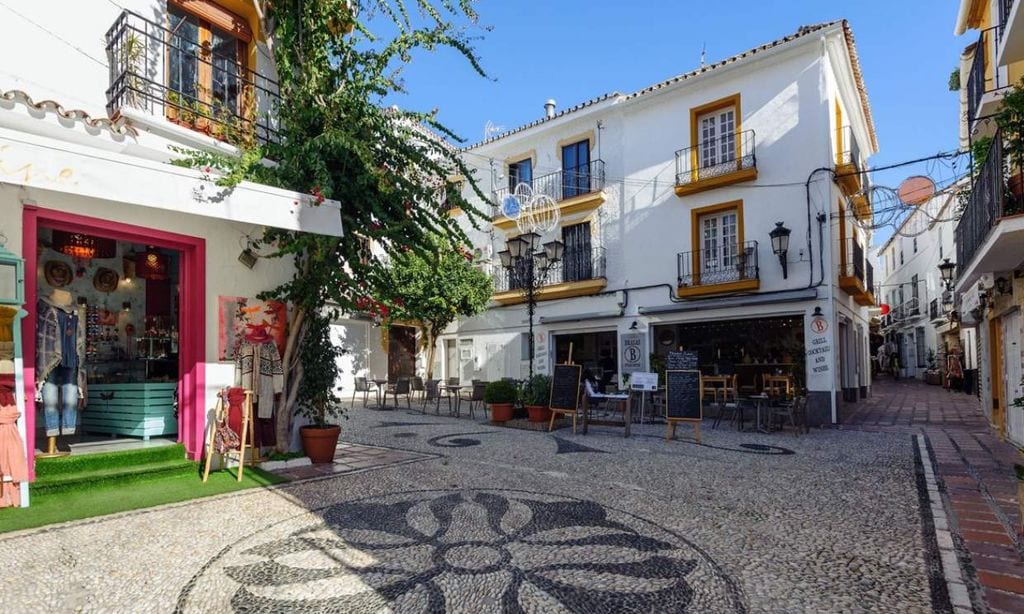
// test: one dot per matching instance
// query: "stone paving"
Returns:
(975, 471)
(513, 520)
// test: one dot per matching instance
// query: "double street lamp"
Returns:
(528, 267)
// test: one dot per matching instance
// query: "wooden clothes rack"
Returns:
(246, 438)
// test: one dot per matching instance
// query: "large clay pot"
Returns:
(501, 412)
(538, 413)
(319, 442)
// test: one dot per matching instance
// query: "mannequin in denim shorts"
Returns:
(59, 334)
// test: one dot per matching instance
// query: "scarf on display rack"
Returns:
(258, 367)
(13, 464)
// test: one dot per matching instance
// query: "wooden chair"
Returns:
(246, 435)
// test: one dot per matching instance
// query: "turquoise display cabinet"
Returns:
(12, 294)
(135, 410)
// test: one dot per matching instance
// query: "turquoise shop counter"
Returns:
(135, 410)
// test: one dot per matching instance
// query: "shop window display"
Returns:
(106, 341)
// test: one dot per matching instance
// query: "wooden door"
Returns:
(995, 374)
(1012, 377)
(401, 352)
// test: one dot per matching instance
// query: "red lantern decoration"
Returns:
(152, 265)
(885, 309)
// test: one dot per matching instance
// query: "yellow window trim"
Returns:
(570, 206)
(714, 105)
(839, 133)
(587, 136)
(699, 212)
(569, 289)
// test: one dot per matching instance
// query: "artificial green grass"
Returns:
(85, 480)
(76, 504)
(86, 463)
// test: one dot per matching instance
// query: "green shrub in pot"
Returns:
(500, 392)
(537, 391)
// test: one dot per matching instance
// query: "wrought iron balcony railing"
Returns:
(870, 280)
(162, 72)
(985, 76)
(720, 265)
(560, 185)
(575, 265)
(716, 157)
(996, 192)
(853, 266)
(1005, 7)
(933, 309)
(848, 151)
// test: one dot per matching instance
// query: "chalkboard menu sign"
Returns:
(681, 361)
(682, 395)
(565, 387)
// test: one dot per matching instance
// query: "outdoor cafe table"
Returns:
(382, 388)
(456, 389)
(760, 402)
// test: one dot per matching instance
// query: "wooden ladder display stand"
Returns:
(246, 437)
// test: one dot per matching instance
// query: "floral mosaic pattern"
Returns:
(473, 551)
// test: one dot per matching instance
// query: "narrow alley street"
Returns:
(975, 474)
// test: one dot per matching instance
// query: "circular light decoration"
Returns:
(916, 190)
(510, 207)
(540, 215)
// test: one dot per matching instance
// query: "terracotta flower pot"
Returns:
(538, 413)
(319, 442)
(501, 412)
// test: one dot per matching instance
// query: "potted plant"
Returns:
(536, 393)
(501, 396)
(318, 399)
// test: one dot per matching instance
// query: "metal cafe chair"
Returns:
(477, 397)
(434, 394)
(418, 388)
(364, 386)
(730, 403)
(795, 412)
(402, 386)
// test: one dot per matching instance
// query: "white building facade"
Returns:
(93, 103)
(666, 200)
(919, 319)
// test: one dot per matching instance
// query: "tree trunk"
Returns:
(431, 350)
(286, 400)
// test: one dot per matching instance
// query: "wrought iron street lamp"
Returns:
(780, 244)
(946, 270)
(528, 267)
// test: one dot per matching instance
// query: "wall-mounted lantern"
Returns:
(780, 245)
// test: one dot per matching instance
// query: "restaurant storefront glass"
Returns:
(596, 351)
(750, 349)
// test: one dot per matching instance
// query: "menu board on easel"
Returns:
(682, 395)
(565, 387)
(682, 401)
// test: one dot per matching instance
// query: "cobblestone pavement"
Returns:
(975, 473)
(500, 519)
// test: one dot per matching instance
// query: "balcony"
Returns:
(1011, 32)
(579, 273)
(986, 80)
(577, 190)
(933, 310)
(163, 74)
(849, 164)
(716, 162)
(852, 278)
(714, 271)
(868, 299)
(991, 228)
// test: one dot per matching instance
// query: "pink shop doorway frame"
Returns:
(191, 318)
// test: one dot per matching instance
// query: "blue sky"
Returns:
(573, 50)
